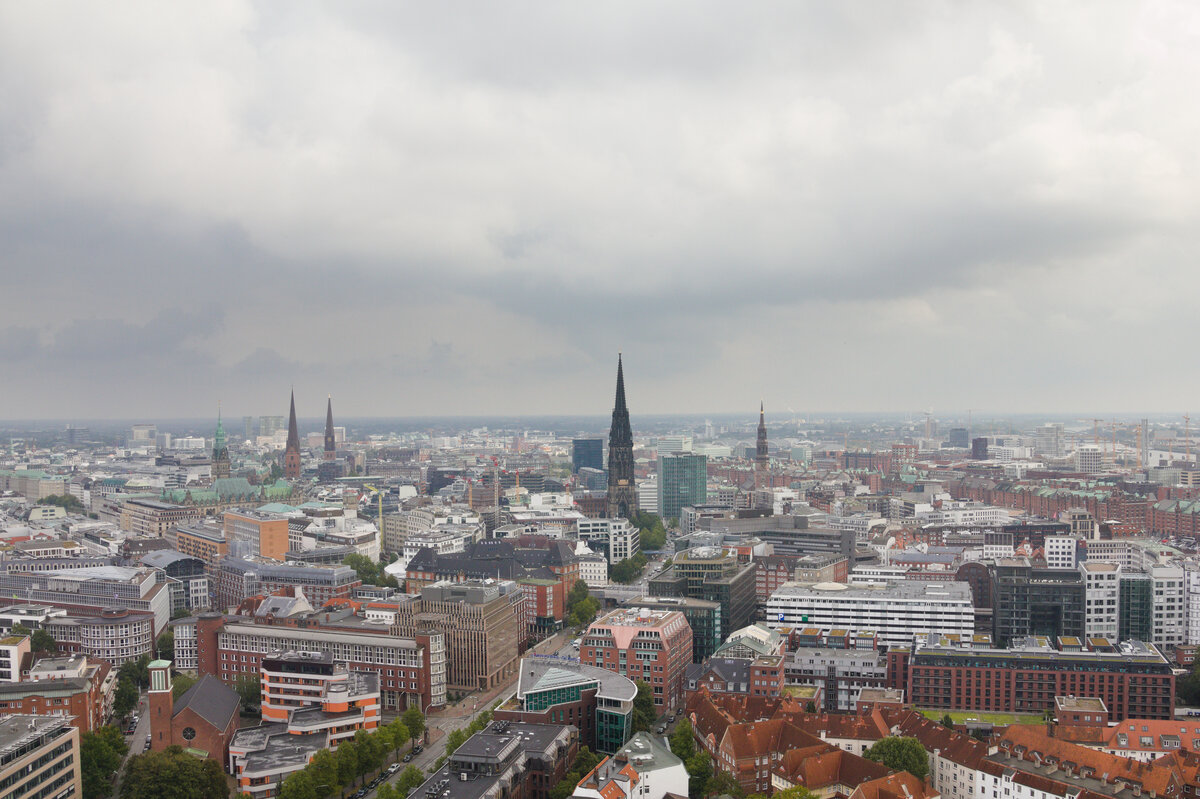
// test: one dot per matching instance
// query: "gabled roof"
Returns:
(210, 699)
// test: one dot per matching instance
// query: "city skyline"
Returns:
(840, 207)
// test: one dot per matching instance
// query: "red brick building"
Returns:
(1132, 683)
(643, 644)
(75, 686)
(203, 720)
(772, 571)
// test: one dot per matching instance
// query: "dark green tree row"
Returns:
(653, 533)
(70, 502)
(100, 756)
(581, 606)
(333, 772)
(173, 774)
(629, 569)
(369, 571)
(40, 641)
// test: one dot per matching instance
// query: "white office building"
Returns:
(1061, 552)
(1102, 593)
(616, 537)
(897, 611)
(1170, 621)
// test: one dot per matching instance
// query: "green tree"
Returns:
(414, 721)
(180, 683)
(298, 785)
(683, 745)
(797, 792)
(69, 502)
(173, 774)
(410, 778)
(100, 755)
(386, 791)
(584, 762)
(371, 572)
(125, 697)
(948, 721)
(370, 752)
(722, 782)
(165, 645)
(811, 707)
(454, 740)
(644, 712)
(900, 754)
(43, 642)
(324, 772)
(399, 734)
(699, 769)
(136, 670)
(249, 689)
(347, 763)
(182, 613)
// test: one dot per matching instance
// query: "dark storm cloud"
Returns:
(462, 208)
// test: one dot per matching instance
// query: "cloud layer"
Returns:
(470, 207)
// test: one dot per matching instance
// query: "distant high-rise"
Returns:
(268, 425)
(587, 453)
(220, 451)
(330, 439)
(682, 482)
(248, 427)
(979, 449)
(958, 438)
(622, 493)
(291, 453)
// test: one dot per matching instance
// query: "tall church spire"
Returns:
(330, 443)
(291, 453)
(762, 459)
(622, 493)
(220, 452)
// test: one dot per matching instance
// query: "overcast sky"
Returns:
(458, 207)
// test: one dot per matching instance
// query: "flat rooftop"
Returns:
(18, 731)
(545, 673)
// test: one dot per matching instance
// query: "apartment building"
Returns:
(479, 622)
(1133, 679)
(39, 757)
(643, 644)
(411, 669)
(895, 611)
(309, 703)
(250, 533)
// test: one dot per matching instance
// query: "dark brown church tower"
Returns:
(330, 443)
(762, 460)
(622, 492)
(291, 454)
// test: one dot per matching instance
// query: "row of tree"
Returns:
(628, 569)
(652, 531)
(371, 572)
(331, 772)
(458, 737)
(582, 607)
(585, 761)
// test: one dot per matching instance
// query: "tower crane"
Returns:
(1187, 436)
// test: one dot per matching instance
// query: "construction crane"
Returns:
(1096, 432)
(1139, 445)
(1187, 436)
(1114, 443)
(378, 494)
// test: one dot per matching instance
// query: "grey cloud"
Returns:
(444, 196)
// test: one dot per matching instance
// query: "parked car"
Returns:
(418, 749)
(661, 729)
(408, 757)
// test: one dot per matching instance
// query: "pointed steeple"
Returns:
(761, 456)
(622, 491)
(330, 443)
(291, 453)
(220, 452)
